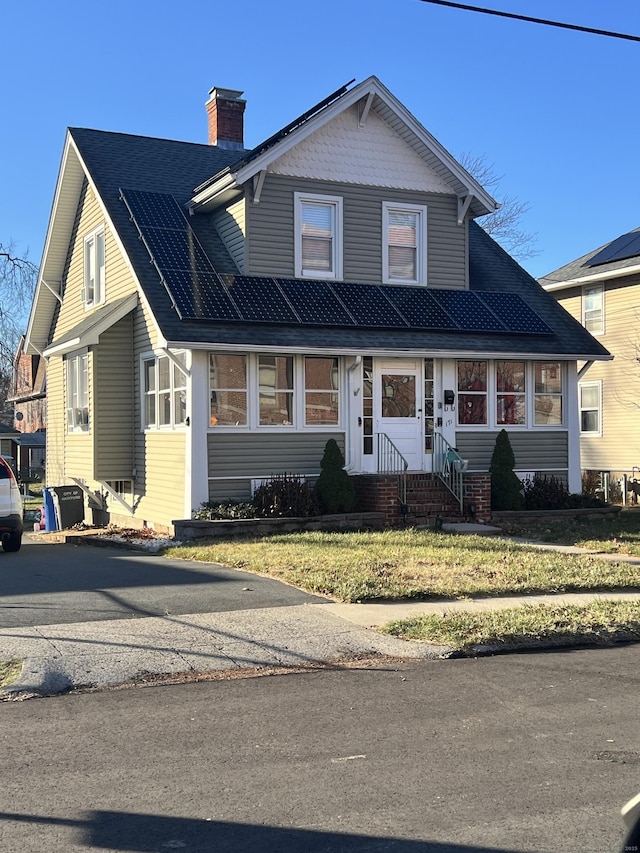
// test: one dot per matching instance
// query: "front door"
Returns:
(399, 406)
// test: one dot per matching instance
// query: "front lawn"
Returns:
(412, 564)
(598, 623)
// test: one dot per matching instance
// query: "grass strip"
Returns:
(410, 564)
(9, 671)
(600, 623)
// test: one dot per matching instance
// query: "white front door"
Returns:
(398, 403)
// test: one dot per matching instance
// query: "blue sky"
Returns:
(555, 111)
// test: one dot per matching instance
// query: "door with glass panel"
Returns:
(399, 406)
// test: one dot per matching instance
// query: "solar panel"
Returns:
(175, 250)
(199, 295)
(468, 312)
(315, 303)
(154, 210)
(368, 305)
(259, 300)
(515, 313)
(418, 307)
(626, 246)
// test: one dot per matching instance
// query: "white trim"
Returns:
(622, 272)
(421, 241)
(595, 289)
(92, 242)
(173, 425)
(593, 383)
(196, 484)
(334, 202)
(572, 418)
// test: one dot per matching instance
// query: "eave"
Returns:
(590, 278)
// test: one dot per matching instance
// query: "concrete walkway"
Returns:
(58, 658)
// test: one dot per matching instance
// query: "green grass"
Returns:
(598, 623)
(412, 564)
(9, 671)
(614, 535)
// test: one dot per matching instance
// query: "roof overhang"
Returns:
(590, 278)
(385, 352)
(374, 95)
(88, 332)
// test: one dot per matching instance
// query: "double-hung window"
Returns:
(548, 393)
(593, 308)
(78, 393)
(321, 391)
(590, 399)
(228, 389)
(94, 275)
(472, 392)
(511, 402)
(275, 381)
(404, 243)
(164, 391)
(318, 236)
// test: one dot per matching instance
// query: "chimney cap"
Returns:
(227, 94)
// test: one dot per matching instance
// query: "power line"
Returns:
(534, 20)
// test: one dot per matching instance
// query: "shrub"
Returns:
(334, 488)
(506, 488)
(546, 492)
(210, 510)
(285, 496)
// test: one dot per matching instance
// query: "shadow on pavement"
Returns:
(147, 833)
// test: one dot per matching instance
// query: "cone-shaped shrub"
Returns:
(334, 489)
(506, 488)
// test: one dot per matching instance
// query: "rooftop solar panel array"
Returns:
(198, 292)
(626, 246)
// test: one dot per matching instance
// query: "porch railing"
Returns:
(391, 461)
(449, 467)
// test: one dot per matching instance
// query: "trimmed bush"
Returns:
(334, 489)
(506, 488)
(285, 496)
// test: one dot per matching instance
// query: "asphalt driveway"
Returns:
(57, 583)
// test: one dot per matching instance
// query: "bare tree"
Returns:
(505, 224)
(17, 283)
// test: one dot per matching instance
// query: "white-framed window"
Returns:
(318, 236)
(94, 268)
(164, 391)
(270, 391)
(593, 308)
(590, 403)
(404, 243)
(472, 392)
(510, 393)
(78, 392)
(511, 400)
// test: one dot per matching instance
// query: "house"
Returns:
(28, 397)
(602, 291)
(212, 315)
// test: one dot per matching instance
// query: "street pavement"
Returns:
(251, 622)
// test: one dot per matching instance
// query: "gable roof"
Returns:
(112, 162)
(591, 268)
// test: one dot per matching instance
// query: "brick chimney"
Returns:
(225, 109)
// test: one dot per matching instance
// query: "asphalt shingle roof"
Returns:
(580, 267)
(118, 161)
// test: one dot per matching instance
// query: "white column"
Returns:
(574, 473)
(196, 477)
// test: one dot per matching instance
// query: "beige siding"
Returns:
(118, 279)
(231, 227)
(160, 471)
(270, 224)
(534, 450)
(235, 458)
(113, 409)
(56, 422)
(618, 449)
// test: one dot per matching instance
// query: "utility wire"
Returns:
(534, 20)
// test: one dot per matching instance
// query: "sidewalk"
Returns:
(58, 658)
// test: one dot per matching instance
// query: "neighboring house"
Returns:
(212, 315)
(28, 397)
(602, 291)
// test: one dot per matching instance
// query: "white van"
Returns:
(11, 508)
